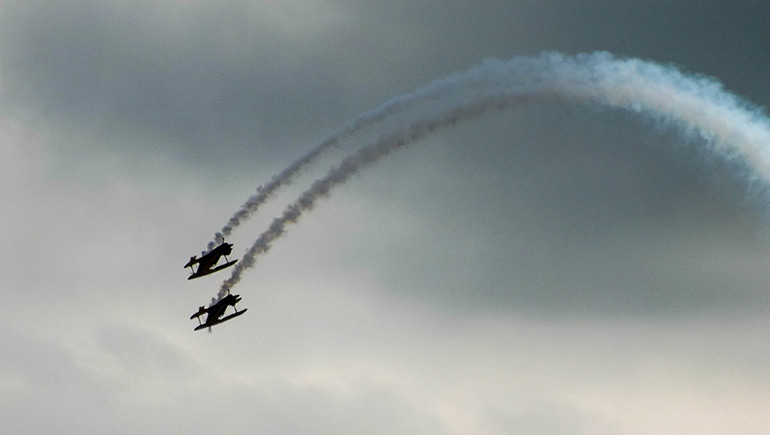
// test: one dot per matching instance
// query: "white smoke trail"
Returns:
(435, 90)
(693, 105)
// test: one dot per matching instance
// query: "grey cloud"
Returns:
(53, 391)
(553, 210)
(208, 77)
(233, 82)
(450, 267)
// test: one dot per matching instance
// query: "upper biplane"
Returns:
(215, 312)
(207, 264)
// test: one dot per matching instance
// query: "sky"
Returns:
(565, 265)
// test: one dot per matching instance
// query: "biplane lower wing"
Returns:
(210, 271)
(223, 319)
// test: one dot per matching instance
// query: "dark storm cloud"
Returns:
(233, 84)
(214, 78)
(223, 81)
(583, 211)
(716, 37)
(427, 296)
(557, 211)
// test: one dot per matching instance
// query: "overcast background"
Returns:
(552, 270)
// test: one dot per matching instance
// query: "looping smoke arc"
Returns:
(433, 91)
(695, 106)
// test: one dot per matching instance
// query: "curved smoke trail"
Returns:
(433, 91)
(693, 105)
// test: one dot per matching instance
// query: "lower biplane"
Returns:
(215, 312)
(207, 264)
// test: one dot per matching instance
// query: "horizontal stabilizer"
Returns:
(192, 261)
(201, 311)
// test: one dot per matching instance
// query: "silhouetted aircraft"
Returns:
(206, 264)
(216, 311)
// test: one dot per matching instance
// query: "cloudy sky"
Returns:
(556, 269)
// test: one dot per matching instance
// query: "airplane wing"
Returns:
(210, 271)
(218, 321)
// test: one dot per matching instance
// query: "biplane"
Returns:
(215, 312)
(207, 264)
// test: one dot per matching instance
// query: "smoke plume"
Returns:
(433, 91)
(697, 107)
